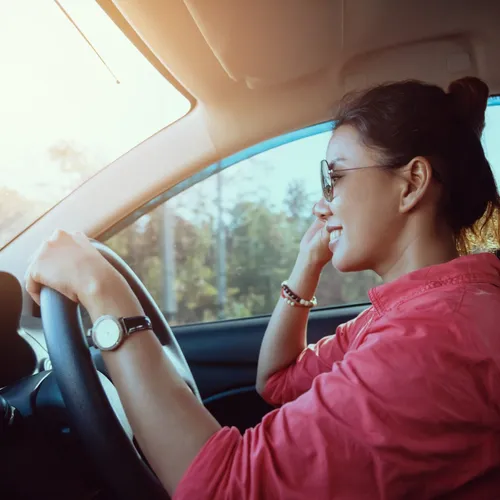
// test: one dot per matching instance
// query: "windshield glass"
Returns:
(67, 111)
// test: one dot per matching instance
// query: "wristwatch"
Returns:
(109, 332)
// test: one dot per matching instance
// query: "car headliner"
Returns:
(258, 69)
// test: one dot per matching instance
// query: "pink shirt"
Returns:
(403, 402)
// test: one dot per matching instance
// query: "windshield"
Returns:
(73, 99)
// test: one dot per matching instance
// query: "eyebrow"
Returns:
(334, 162)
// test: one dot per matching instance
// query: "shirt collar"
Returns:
(477, 268)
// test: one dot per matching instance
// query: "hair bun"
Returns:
(469, 98)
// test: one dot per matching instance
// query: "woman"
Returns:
(404, 401)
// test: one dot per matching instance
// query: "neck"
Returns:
(417, 249)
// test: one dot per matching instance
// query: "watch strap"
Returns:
(134, 324)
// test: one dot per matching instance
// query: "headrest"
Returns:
(11, 301)
(17, 358)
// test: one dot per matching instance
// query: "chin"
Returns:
(346, 264)
(341, 263)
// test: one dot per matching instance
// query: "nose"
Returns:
(322, 209)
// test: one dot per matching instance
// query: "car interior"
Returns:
(256, 83)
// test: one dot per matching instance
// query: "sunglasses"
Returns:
(329, 177)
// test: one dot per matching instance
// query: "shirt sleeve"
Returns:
(377, 426)
(289, 383)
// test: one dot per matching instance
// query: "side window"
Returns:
(221, 248)
(491, 135)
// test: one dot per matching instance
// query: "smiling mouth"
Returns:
(336, 234)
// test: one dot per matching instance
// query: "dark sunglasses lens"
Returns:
(326, 181)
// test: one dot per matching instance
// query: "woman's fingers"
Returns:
(56, 264)
(33, 288)
(31, 277)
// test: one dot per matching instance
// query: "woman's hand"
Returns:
(314, 243)
(153, 394)
(69, 264)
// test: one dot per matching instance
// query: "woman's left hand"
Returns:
(69, 264)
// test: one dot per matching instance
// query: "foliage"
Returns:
(260, 246)
(19, 209)
(16, 212)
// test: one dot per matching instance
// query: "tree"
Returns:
(17, 212)
(297, 201)
(261, 247)
(74, 166)
(140, 246)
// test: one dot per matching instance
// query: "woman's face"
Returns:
(363, 218)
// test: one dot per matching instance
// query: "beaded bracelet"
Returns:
(292, 299)
(297, 301)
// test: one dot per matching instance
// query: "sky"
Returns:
(491, 139)
(55, 91)
(270, 173)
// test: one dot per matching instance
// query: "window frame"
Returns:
(493, 100)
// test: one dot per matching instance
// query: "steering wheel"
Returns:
(91, 405)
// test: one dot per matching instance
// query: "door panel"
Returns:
(223, 358)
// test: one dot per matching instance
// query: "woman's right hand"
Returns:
(314, 243)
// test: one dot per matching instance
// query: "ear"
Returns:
(416, 178)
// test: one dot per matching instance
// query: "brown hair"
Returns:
(407, 119)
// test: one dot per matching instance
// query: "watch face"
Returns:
(107, 333)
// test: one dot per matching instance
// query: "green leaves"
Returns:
(261, 245)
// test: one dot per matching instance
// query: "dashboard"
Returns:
(39, 446)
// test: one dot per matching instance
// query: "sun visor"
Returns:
(266, 42)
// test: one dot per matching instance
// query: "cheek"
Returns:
(367, 213)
